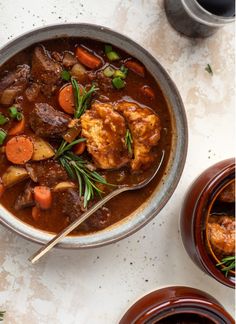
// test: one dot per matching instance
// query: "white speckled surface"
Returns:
(97, 286)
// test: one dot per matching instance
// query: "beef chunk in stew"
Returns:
(46, 173)
(69, 202)
(32, 92)
(13, 84)
(69, 60)
(145, 128)
(26, 198)
(100, 220)
(57, 56)
(105, 132)
(45, 70)
(48, 122)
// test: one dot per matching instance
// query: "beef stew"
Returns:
(85, 117)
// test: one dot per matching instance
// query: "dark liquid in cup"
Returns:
(225, 8)
(185, 319)
(186, 24)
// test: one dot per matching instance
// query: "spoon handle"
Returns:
(35, 257)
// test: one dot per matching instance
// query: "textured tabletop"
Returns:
(97, 286)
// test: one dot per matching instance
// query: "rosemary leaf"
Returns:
(80, 183)
(2, 315)
(87, 179)
(209, 69)
(67, 146)
(128, 141)
(82, 98)
(227, 264)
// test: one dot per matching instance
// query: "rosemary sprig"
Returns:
(64, 147)
(77, 169)
(81, 99)
(128, 141)
(228, 264)
(2, 315)
(209, 69)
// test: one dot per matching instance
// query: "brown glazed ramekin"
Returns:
(169, 301)
(194, 214)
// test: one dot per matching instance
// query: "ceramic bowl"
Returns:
(195, 210)
(161, 304)
(176, 161)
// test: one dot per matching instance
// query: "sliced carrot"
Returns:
(72, 133)
(18, 128)
(1, 189)
(19, 149)
(43, 196)
(88, 59)
(148, 92)
(135, 67)
(79, 148)
(66, 99)
(35, 213)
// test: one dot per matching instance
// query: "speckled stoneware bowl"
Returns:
(177, 158)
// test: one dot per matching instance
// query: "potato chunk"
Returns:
(14, 175)
(42, 150)
(64, 185)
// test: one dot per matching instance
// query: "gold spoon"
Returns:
(47, 247)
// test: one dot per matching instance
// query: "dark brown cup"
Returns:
(194, 214)
(169, 301)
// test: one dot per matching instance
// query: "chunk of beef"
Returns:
(32, 92)
(103, 83)
(26, 198)
(69, 60)
(69, 202)
(105, 132)
(45, 70)
(145, 128)
(221, 233)
(47, 121)
(228, 194)
(100, 219)
(46, 173)
(57, 56)
(13, 84)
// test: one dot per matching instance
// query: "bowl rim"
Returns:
(130, 225)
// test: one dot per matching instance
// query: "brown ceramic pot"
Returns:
(164, 303)
(194, 214)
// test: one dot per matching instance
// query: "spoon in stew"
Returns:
(47, 247)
